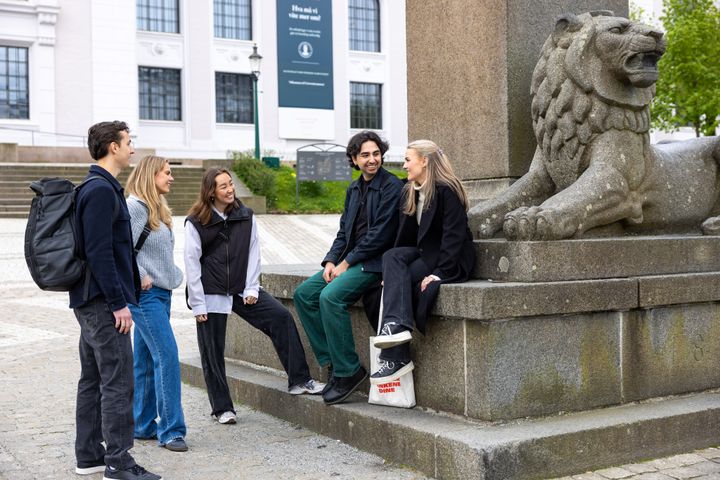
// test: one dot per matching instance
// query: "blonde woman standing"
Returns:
(156, 364)
(433, 246)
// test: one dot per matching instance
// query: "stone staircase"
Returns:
(16, 196)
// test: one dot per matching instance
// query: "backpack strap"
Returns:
(116, 211)
(143, 236)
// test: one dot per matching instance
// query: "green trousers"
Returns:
(323, 311)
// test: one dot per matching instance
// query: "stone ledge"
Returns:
(595, 258)
(445, 446)
(488, 301)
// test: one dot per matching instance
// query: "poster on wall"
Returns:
(305, 69)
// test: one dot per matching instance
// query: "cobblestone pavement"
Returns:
(39, 371)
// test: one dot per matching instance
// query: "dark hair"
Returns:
(202, 208)
(358, 139)
(102, 134)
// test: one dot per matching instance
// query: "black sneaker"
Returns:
(88, 468)
(330, 380)
(136, 472)
(344, 386)
(390, 370)
(391, 335)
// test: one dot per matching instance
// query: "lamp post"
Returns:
(255, 59)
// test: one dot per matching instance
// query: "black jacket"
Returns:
(225, 251)
(103, 222)
(381, 202)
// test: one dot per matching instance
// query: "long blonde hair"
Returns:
(439, 170)
(141, 183)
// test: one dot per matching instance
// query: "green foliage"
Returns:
(256, 176)
(688, 89)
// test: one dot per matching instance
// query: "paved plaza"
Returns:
(39, 369)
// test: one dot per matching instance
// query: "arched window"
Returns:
(364, 25)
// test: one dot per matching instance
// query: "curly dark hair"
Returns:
(102, 134)
(358, 139)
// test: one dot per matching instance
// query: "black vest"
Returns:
(226, 248)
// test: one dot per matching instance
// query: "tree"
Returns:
(688, 88)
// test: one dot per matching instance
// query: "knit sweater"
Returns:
(156, 255)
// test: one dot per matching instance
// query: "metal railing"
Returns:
(36, 137)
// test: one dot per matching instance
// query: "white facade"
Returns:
(83, 68)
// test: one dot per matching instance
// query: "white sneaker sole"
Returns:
(388, 341)
(406, 369)
(300, 391)
(90, 470)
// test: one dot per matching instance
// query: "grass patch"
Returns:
(315, 196)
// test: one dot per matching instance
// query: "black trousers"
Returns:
(402, 270)
(270, 317)
(104, 409)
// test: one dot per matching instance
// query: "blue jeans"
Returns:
(157, 369)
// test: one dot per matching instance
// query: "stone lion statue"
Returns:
(594, 165)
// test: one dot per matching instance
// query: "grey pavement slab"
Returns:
(39, 371)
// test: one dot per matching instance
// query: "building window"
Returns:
(233, 19)
(233, 98)
(159, 94)
(364, 17)
(14, 95)
(158, 16)
(365, 105)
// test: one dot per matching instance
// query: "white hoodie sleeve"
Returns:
(252, 279)
(193, 252)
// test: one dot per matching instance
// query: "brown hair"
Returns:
(202, 208)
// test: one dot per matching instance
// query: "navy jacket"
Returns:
(381, 201)
(107, 243)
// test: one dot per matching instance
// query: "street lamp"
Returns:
(255, 59)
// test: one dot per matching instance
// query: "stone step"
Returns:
(453, 447)
(595, 258)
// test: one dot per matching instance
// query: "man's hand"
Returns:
(201, 318)
(426, 281)
(123, 320)
(146, 283)
(329, 266)
(340, 269)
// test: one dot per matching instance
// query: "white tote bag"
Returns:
(398, 392)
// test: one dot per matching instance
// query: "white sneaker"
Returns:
(311, 386)
(226, 418)
(90, 470)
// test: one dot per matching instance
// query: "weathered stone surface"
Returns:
(671, 350)
(502, 260)
(488, 133)
(593, 165)
(543, 365)
(450, 447)
(675, 289)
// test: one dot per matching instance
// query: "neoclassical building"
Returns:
(178, 71)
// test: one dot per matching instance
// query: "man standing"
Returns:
(100, 302)
(352, 266)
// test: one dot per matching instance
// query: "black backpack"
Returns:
(52, 240)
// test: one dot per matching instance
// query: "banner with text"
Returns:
(305, 68)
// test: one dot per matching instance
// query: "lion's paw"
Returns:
(711, 226)
(537, 223)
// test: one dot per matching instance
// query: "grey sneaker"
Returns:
(311, 387)
(226, 418)
(136, 472)
(176, 445)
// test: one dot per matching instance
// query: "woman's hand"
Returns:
(426, 281)
(201, 318)
(146, 283)
(249, 300)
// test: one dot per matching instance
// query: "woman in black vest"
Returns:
(433, 246)
(222, 265)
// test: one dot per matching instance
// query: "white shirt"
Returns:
(214, 303)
